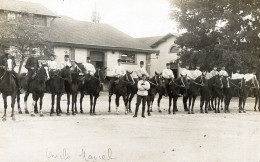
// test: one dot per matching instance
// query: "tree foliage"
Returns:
(219, 33)
(22, 34)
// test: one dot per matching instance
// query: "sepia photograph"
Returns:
(130, 80)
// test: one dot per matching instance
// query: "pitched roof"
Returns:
(156, 40)
(28, 7)
(94, 35)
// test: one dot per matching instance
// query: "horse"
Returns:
(131, 91)
(174, 90)
(193, 92)
(120, 89)
(71, 89)
(205, 95)
(156, 82)
(257, 98)
(216, 90)
(93, 86)
(57, 87)
(8, 87)
(37, 88)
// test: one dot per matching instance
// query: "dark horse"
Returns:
(215, 85)
(92, 86)
(120, 89)
(131, 91)
(193, 92)
(37, 88)
(156, 84)
(57, 87)
(174, 89)
(256, 92)
(8, 87)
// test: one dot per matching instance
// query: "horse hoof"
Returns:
(254, 109)
(173, 112)
(32, 115)
(109, 110)
(26, 111)
(81, 111)
(192, 112)
(130, 111)
(206, 112)
(244, 111)
(240, 111)
(4, 119)
(176, 110)
(58, 114)
(221, 108)
(13, 118)
(201, 111)
(76, 112)
(218, 111)
(228, 111)
(41, 115)
(68, 113)
(152, 110)
(12, 115)
(169, 112)
(189, 112)
(73, 113)
(51, 114)
(20, 112)
(149, 114)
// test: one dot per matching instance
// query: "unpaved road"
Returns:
(111, 137)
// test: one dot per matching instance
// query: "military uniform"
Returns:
(32, 66)
(118, 71)
(142, 93)
(141, 70)
(223, 73)
(168, 75)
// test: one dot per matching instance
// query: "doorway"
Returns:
(97, 58)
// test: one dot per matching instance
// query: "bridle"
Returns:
(156, 81)
(182, 86)
(200, 84)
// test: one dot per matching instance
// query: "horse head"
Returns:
(218, 81)
(157, 79)
(66, 73)
(101, 74)
(226, 81)
(129, 78)
(43, 73)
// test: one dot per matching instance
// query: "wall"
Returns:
(112, 61)
(59, 52)
(157, 65)
(81, 55)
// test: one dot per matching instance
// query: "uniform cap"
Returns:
(168, 64)
(141, 62)
(119, 60)
(88, 58)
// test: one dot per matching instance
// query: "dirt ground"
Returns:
(110, 137)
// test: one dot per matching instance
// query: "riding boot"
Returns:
(136, 111)
(143, 111)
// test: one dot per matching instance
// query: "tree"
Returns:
(24, 36)
(219, 32)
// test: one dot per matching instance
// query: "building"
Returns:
(103, 43)
(168, 53)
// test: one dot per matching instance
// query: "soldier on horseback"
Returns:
(214, 72)
(237, 75)
(197, 72)
(223, 72)
(168, 76)
(141, 70)
(32, 66)
(90, 69)
(66, 61)
(118, 71)
(53, 68)
(186, 72)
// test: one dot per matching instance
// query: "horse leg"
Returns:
(170, 104)
(258, 103)
(109, 100)
(75, 102)
(52, 103)
(193, 102)
(124, 98)
(174, 104)
(201, 104)
(206, 105)
(130, 100)
(91, 103)
(5, 106)
(25, 102)
(189, 108)
(256, 99)
(18, 103)
(117, 103)
(244, 102)
(68, 103)
(94, 105)
(219, 98)
(41, 97)
(148, 100)
(33, 104)
(159, 102)
(12, 105)
(58, 104)
(81, 99)
(221, 101)
(184, 101)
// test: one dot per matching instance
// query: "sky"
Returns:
(137, 18)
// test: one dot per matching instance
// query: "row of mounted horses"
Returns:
(212, 91)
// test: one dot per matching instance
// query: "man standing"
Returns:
(197, 72)
(142, 93)
(32, 66)
(90, 69)
(141, 70)
(223, 72)
(118, 71)
(66, 61)
(168, 76)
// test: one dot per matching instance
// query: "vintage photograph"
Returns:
(129, 80)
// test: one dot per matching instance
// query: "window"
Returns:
(39, 20)
(128, 58)
(173, 49)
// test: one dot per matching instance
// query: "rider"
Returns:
(52, 65)
(197, 72)
(237, 75)
(66, 61)
(118, 71)
(142, 93)
(223, 72)
(214, 72)
(168, 76)
(90, 69)
(186, 72)
(32, 66)
(141, 70)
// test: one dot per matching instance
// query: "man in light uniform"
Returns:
(197, 72)
(142, 93)
(141, 70)
(118, 72)
(90, 69)
(186, 71)
(168, 76)
(66, 61)
(223, 72)
(214, 72)
(52, 65)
